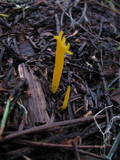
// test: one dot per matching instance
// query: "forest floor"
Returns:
(32, 125)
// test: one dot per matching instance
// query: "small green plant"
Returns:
(118, 48)
(110, 3)
(5, 16)
(23, 7)
(5, 116)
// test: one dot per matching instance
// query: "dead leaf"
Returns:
(116, 95)
(24, 46)
(69, 142)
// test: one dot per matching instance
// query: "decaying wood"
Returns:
(35, 100)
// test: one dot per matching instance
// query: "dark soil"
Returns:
(36, 128)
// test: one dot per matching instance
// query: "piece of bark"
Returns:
(35, 101)
(24, 46)
(115, 95)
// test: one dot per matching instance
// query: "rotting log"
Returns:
(35, 99)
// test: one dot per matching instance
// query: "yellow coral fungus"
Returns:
(61, 49)
(65, 102)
